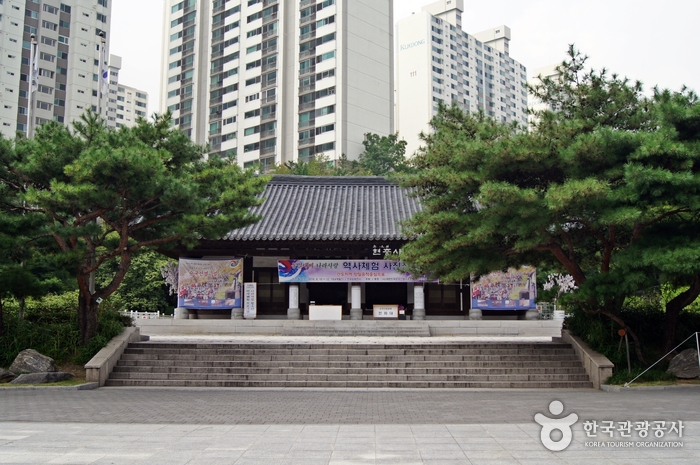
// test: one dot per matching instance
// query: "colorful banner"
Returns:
(210, 284)
(512, 290)
(343, 271)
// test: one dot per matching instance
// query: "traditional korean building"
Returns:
(347, 222)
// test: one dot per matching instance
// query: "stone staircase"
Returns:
(348, 328)
(340, 365)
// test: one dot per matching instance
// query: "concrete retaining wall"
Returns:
(597, 365)
(101, 365)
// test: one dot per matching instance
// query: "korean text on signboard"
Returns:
(325, 271)
(213, 284)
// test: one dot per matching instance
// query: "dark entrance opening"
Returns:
(328, 293)
(385, 293)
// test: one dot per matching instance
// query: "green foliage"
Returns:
(143, 288)
(622, 376)
(605, 187)
(50, 327)
(107, 194)
(383, 155)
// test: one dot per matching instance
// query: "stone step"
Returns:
(352, 358)
(307, 377)
(325, 370)
(335, 365)
(257, 352)
(334, 345)
(356, 384)
(491, 365)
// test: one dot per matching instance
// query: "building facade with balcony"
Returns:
(273, 81)
(68, 50)
(438, 62)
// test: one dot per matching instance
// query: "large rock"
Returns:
(31, 361)
(685, 365)
(41, 378)
(6, 376)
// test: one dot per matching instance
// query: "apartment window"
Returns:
(44, 105)
(66, 24)
(65, 8)
(252, 113)
(253, 49)
(46, 73)
(50, 9)
(45, 89)
(48, 41)
(31, 14)
(49, 25)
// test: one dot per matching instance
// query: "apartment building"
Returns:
(437, 61)
(125, 104)
(67, 33)
(272, 81)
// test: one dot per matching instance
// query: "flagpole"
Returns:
(103, 66)
(33, 83)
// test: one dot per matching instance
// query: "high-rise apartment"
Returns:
(125, 104)
(272, 81)
(68, 51)
(436, 61)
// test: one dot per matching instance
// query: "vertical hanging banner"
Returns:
(512, 290)
(210, 284)
(250, 300)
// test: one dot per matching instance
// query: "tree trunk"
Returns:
(87, 317)
(674, 308)
(2, 319)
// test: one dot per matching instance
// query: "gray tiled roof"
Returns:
(330, 208)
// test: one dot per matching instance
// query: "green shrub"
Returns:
(622, 376)
(50, 326)
(645, 315)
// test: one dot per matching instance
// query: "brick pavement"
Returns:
(327, 427)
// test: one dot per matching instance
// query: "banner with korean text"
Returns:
(512, 290)
(334, 271)
(210, 284)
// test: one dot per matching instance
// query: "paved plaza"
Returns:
(338, 427)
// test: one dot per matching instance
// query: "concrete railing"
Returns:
(597, 365)
(102, 364)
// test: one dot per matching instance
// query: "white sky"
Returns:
(654, 42)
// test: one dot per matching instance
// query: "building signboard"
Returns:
(343, 271)
(250, 300)
(210, 284)
(385, 311)
(512, 290)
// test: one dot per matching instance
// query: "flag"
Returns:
(34, 67)
(104, 72)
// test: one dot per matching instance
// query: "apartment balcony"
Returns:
(219, 9)
(269, 18)
(185, 81)
(307, 88)
(268, 34)
(269, 66)
(305, 124)
(307, 53)
(187, 66)
(217, 54)
(266, 150)
(188, 23)
(267, 3)
(267, 100)
(268, 134)
(308, 19)
(307, 141)
(214, 116)
(268, 83)
(270, 49)
(305, 71)
(216, 100)
(269, 116)
(304, 3)
(307, 106)
(308, 35)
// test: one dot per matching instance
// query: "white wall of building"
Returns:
(301, 78)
